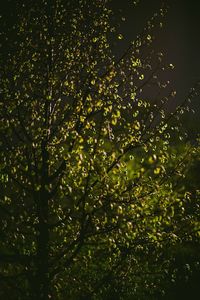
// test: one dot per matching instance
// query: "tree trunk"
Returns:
(42, 260)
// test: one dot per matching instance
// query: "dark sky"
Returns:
(179, 40)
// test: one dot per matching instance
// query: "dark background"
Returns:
(179, 40)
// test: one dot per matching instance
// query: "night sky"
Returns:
(179, 40)
(180, 37)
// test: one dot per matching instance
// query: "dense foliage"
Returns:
(93, 200)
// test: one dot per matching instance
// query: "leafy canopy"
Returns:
(89, 201)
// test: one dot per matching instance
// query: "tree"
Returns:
(86, 167)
